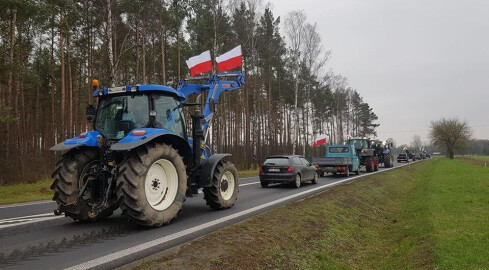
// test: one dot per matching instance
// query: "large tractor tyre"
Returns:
(70, 175)
(224, 190)
(151, 185)
(376, 164)
(369, 164)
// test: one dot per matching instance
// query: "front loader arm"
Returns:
(214, 85)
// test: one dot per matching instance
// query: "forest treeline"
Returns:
(51, 49)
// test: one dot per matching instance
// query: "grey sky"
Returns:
(413, 61)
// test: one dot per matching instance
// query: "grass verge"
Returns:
(428, 215)
(247, 173)
(29, 192)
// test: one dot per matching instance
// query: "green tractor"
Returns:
(367, 153)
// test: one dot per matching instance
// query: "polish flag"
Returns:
(404, 149)
(320, 140)
(200, 63)
(229, 60)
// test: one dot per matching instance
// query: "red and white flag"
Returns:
(404, 149)
(320, 140)
(200, 63)
(229, 60)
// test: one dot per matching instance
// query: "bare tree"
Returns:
(450, 134)
(295, 23)
(416, 143)
(109, 41)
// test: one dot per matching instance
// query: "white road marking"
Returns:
(129, 251)
(24, 204)
(16, 221)
(247, 184)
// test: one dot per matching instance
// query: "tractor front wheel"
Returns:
(223, 192)
(151, 184)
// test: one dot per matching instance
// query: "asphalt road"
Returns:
(32, 237)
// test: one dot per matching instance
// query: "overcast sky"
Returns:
(412, 61)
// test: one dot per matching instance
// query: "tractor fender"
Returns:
(370, 152)
(85, 139)
(131, 142)
(207, 169)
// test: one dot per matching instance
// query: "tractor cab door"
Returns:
(355, 159)
(169, 114)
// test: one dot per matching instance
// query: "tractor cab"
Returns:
(117, 115)
(359, 144)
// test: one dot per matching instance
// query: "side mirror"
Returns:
(90, 112)
(212, 105)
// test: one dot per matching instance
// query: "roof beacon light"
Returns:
(95, 84)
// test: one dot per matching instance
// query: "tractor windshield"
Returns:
(359, 143)
(118, 115)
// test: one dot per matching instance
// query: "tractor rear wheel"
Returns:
(70, 175)
(223, 192)
(387, 161)
(151, 184)
(369, 164)
(376, 164)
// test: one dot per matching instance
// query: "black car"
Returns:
(402, 157)
(287, 169)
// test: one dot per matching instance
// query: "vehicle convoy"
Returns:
(139, 156)
(339, 158)
(367, 153)
(402, 157)
(287, 169)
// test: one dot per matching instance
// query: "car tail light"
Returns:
(290, 169)
(318, 168)
(340, 168)
(260, 168)
(365, 151)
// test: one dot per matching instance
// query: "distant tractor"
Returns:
(412, 154)
(367, 153)
(384, 153)
(140, 158)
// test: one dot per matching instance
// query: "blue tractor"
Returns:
(139, 156)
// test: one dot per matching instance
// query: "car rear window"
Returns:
(277, 162)
(339, 150)
(402, 154)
